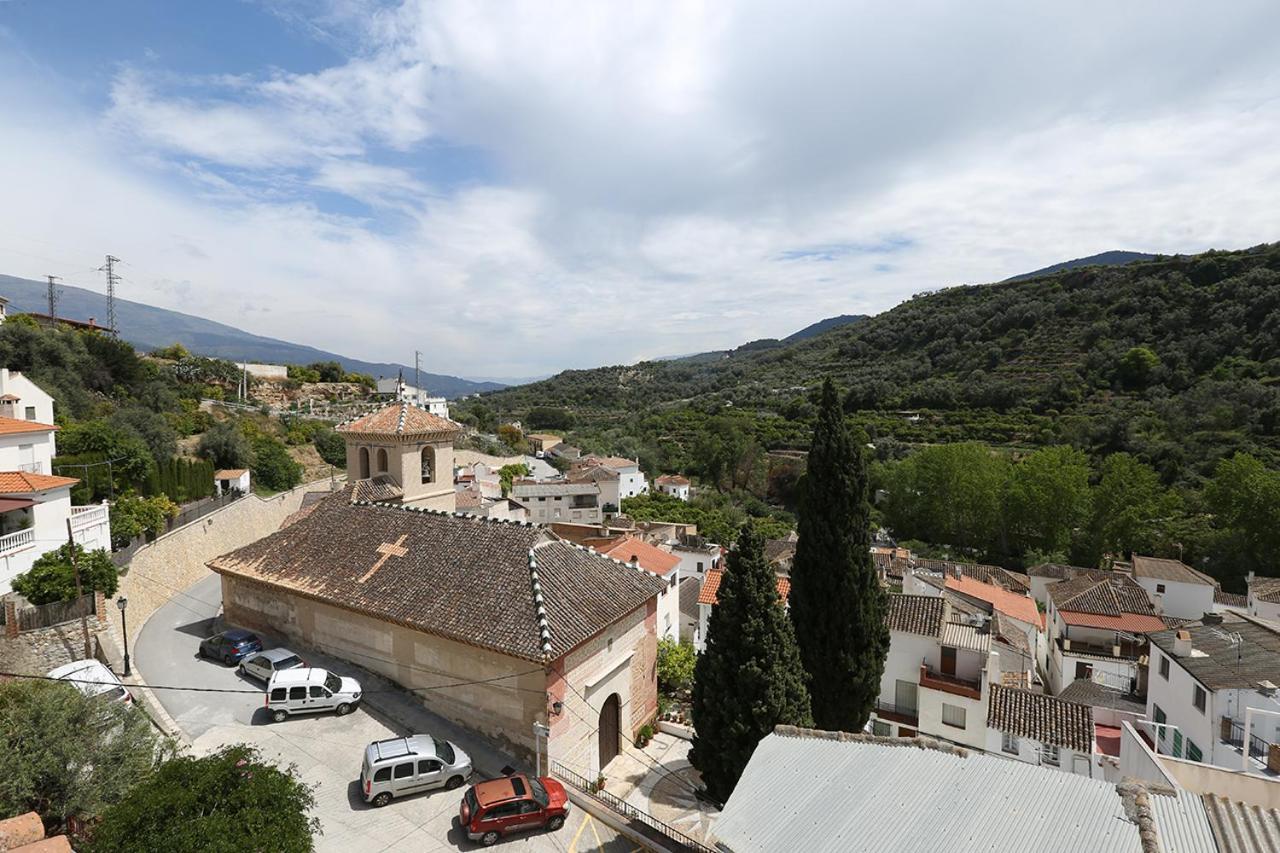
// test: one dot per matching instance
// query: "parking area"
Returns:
(325, 749)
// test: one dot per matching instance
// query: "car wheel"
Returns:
(343, 708)
(227, 661)
(555, 823)
(200, 652)
(243, 672)
(454, 783)
(489, 838)
(382, 799)
(279, 716)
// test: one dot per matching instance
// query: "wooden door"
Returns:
(948, 660)
(609, 724)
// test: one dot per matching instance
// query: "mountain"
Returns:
(825, 326)
(1174, 359)
(148, 327)
(1103, 259)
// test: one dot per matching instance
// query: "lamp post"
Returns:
(122, 603)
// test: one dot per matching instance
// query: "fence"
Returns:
(54, 613)
(631, 813)
(1258, 748)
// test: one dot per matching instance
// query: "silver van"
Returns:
(407, 765)
(309, 690)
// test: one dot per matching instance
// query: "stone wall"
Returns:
(176, 560)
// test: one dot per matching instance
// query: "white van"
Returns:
(91, 678)
(308, 691)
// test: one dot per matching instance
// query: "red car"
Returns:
(498, 807)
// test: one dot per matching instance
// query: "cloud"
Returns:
(659, 178)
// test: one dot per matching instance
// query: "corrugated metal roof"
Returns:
(813, 793)
(966, 637)
(1181, 823)
(1242, 828)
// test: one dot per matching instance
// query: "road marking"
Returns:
(573, 845)
(599, 844)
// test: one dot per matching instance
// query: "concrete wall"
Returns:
(1137, 761)
(1031, 751)
(27, 451)
(1183, 600)
(1197, 778)
(502, 710)
(1174, 695)
(669, 607)
(29, 394)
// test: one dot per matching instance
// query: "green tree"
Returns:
(226, 446)
(329, 371)
(749, 677)
(226, 802)
(507, 473)
(549, 417)
(133, 516)
(1130, 507)
(152, 427)
(272, 466)
(837, 604)
(173, 352)
(52, 578)
(1244, 498)
(675, 664)
(331, 447)
(1136, 367)
(131, 458)
(1048, 499)
(64, 754)
(950, 494)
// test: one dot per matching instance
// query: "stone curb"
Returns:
(613, 820)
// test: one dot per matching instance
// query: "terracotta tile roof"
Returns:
(1169, 570)
(1232, 599)
(1048, 719)
(402, 418)
(1088, 692)
(1133, 623)
(230, 473)
(21, 482)
(980, 571)
(650, 558)
(13, 426)
(379, 488)
(1265, 589)
(1007, 602)
(592, 474)
(1007, 631)
(672, 480)
(469, 499)
(460, 577)
(711, 586)
(1056, 571)
(606, 461)
(916, 614)
(1111, 594)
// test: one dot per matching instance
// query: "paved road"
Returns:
(326, 750)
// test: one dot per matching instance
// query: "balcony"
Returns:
(88, 516)
(898, 713)
(17, 541)
(949, 683)
(1124, 650)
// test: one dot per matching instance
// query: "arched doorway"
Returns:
(610, 723)
(428, 465)
(364, 463)
(382, 461)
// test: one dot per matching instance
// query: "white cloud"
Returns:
(667, 177)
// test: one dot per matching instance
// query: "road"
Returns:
(324, 749)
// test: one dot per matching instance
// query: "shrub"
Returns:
(675, 665)
(52, 578)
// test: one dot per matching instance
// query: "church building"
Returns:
(500, 624)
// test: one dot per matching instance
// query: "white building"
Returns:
(34, 504)
(1097, 630)
(229, 480)
(548, 501)
(623, 479)
(265, 371)
(397, 389)
(1038, 729)
(652, 559)
(697, 556)
(1174, 588)
(1204, 680)
(674, 485)
(1263, 600)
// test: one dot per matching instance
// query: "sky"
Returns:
(516, 188)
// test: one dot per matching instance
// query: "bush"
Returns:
(675, 665)
(226, 446)
(52, 578)
(133, 516)
(273, 467)
(331, 447)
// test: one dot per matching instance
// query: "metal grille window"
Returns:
(1050, 754)
(952, 715)
(880, 728)
(1009, 743)
(1198, 697)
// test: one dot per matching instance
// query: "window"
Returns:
(1160, 589)
(529, 807)
(31, 413)
(1050, 754)
(382, 461)
(1084, 670)
(1193, 751)
(1009, 743)
(404, 771)
(364, 463)
(952, 715)
(278, 694)
(317, 692)
(504, 810)
(383, 775)
(1198, 698)
(904, 695)
(297, 694)
(1164, 667)
(428, 457)
(880, 728)
(699, 565)
(429, 766)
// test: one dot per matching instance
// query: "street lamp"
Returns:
(122, 603)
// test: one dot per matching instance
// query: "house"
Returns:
(1263, 599)
(1175, 588)
(542, 442)
(35, 503)
(1046, 574)
(398, 390)
(403, 453)
(525, 628)
(472, 501)
(636, 552)
(548, 501)
(707, 599)
(1097, 629)
(834, 792)
(1038, 729)
(628, 481)
(697, 555)
(231, 480)
(567, 452)
(1205, 680)
(937, 674)
(674, 485)
(1111, 710)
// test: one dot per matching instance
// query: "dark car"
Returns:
(230, 647)
(516, 803)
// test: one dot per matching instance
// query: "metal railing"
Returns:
(1258, 748)
(628, 811)
(1127, 650)
(949, 683)
(911, 712)
(14, 541)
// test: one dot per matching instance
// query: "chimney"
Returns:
(1266, 688)
(1157, 602)
(1182, 644)
(1248, 578)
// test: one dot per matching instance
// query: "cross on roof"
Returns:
(387, 550)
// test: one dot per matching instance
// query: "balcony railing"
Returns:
(949, 683)
(87, 516)
(14, 541)
(31, 468)
(1233, 733)
(1125, 650)
(898, 713)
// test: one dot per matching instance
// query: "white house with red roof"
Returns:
(707, 599)
(1098, 626)
(35, 504)
(675, 485)
(654, 560)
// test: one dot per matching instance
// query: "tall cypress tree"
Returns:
(749, 678)
(837, 604)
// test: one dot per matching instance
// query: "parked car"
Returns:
(516, 803)
(310, 690)
(262, 665)
(231, 646)
(408, 765)
(92, 678)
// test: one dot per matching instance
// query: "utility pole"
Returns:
(112, 278)
(84, 624)
(53, 296)
(417, 383)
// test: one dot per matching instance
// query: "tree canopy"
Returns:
(52, 577)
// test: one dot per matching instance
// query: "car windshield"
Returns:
(333, 683)
(444, 749)
(116, 693)
(539, 792)
(289, 663)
